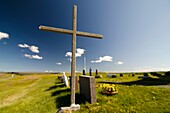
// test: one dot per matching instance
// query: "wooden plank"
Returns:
(79, 33)
(53, 29)
(90, 35)
(73, 64)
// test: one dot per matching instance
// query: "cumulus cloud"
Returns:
(31, 48)
(33, 56)
(68, 54)
(119, 62)
(23, 45)
(79, 53)
(28, 56)
(3, 35)
(96, 61)
(102, 59)
(36, 57)
(59, 63)
(34, 49)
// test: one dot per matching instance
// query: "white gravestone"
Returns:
(65, 80)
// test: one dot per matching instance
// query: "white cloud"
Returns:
(96, 61)
(23, 45)
(59, 63)
(31, 48)
(33, 56)
(28, 56)
(36, 57)
(34, 49)
(119, 62)
(68, 54)
(48, 71)
(102, 59)
(3, 35)
(79, 53)
(106, 58)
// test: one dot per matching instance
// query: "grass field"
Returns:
(44, 93)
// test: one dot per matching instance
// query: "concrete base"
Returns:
(73, 107)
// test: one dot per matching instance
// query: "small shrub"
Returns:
(145, 74)
(121, 75)
(155, 74)
(167, 73)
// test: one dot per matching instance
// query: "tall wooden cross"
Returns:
(73, 32)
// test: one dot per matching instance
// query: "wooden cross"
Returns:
(73, 32)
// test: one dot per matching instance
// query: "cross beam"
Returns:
(78, 33)
(73, 32)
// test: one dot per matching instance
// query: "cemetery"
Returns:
(82, 92)
(47, 93)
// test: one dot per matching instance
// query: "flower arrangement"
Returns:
(109, 89)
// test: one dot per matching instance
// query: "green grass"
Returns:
(44, 93)
(23, 94)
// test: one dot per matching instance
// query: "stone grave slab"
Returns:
(88, 88)
(65, 79)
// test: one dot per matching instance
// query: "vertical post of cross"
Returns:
(73, 65)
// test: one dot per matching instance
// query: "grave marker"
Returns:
(84, 72)
(121, 75)
(111, 76)
(96, 72)
(88, 88)
(90, 71)
(65, 79)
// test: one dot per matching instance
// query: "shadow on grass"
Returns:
(63, 96)
(58, 85)
(60, 91)
(65, 101)
(108, 95)
(162, 80)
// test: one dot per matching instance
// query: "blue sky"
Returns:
(136, 35)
